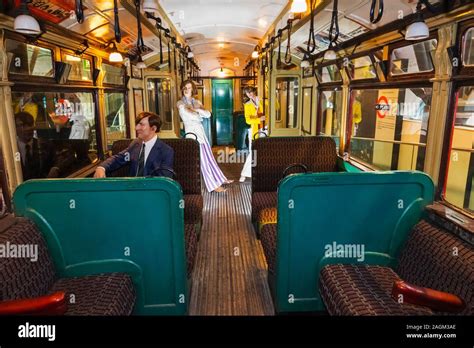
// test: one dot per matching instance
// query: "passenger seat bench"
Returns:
(322, 214)
(22, 278)
(427, 260)
(188, 174)
(132, 226)
(274, 155)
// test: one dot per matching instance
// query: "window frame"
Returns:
(447, 148)
(369, 54)
(19, 88)
(92, 61)
(462, 71)
(32, 78)
(124, 74)
(327, 88)
(388, 85)
(311, 89)
(127, 113)
(332, 83)
(412, 76)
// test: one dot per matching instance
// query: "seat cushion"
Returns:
(262, 200)
(362, 290)
(191, 240)
(435, 258)
(193, 205)
(268, 238)
(267, 216)
(31, 275)
(102, 294)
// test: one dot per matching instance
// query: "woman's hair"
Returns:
(185, 82)
(250, 89)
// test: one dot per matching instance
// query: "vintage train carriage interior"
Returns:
(356, 118)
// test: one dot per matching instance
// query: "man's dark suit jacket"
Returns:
(161, 156)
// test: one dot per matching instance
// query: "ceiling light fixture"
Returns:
(24, 23)
(305, 63)
(418, 30)
(298, 6)
(255, 53)
(140, 63)
(115, 55)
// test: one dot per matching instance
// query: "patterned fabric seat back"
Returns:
(186, 162)
(275, 154)
(437, 259)
(26, 269)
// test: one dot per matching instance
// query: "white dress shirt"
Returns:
(148, 146)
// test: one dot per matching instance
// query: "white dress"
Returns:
(211, 173)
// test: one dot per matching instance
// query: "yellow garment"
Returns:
(251, 116)
(30, 108)
(356, 112)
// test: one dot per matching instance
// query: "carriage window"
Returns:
(55, 132)
(468, 48)
(26, 59)
(362, 68)
(330, 114)
(330, 73)
(459, 190)
(390, 126)
(81, 68)
(159, 100)
(113, 75)
(116, 117)
(413, 59)
(286, 102)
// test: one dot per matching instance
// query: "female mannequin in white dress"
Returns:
(192, 112)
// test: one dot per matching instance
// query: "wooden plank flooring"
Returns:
(230, 276)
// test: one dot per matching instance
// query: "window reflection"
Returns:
(26, 59)
(56, 133)
(468, 48)
(362, 68)
(116, 117)
(159, 100)
(390, 126)
(331, 114)
(459, 185)
(416, 58)
(286, 102)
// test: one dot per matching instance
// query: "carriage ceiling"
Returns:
(218, 31)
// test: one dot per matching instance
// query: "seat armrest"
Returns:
(54, 304)
(436, 300)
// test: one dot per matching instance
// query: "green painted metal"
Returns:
(375, 210)
(131, 225)
(222, 109)
(345, 166)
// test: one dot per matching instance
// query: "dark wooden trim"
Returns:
(310, 110)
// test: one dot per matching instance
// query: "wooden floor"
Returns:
(230, 276)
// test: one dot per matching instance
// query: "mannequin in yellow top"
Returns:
(253, 110)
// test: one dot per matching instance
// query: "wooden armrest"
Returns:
(434, 299)
(54, 304)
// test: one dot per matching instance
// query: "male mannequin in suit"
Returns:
(147, 155)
